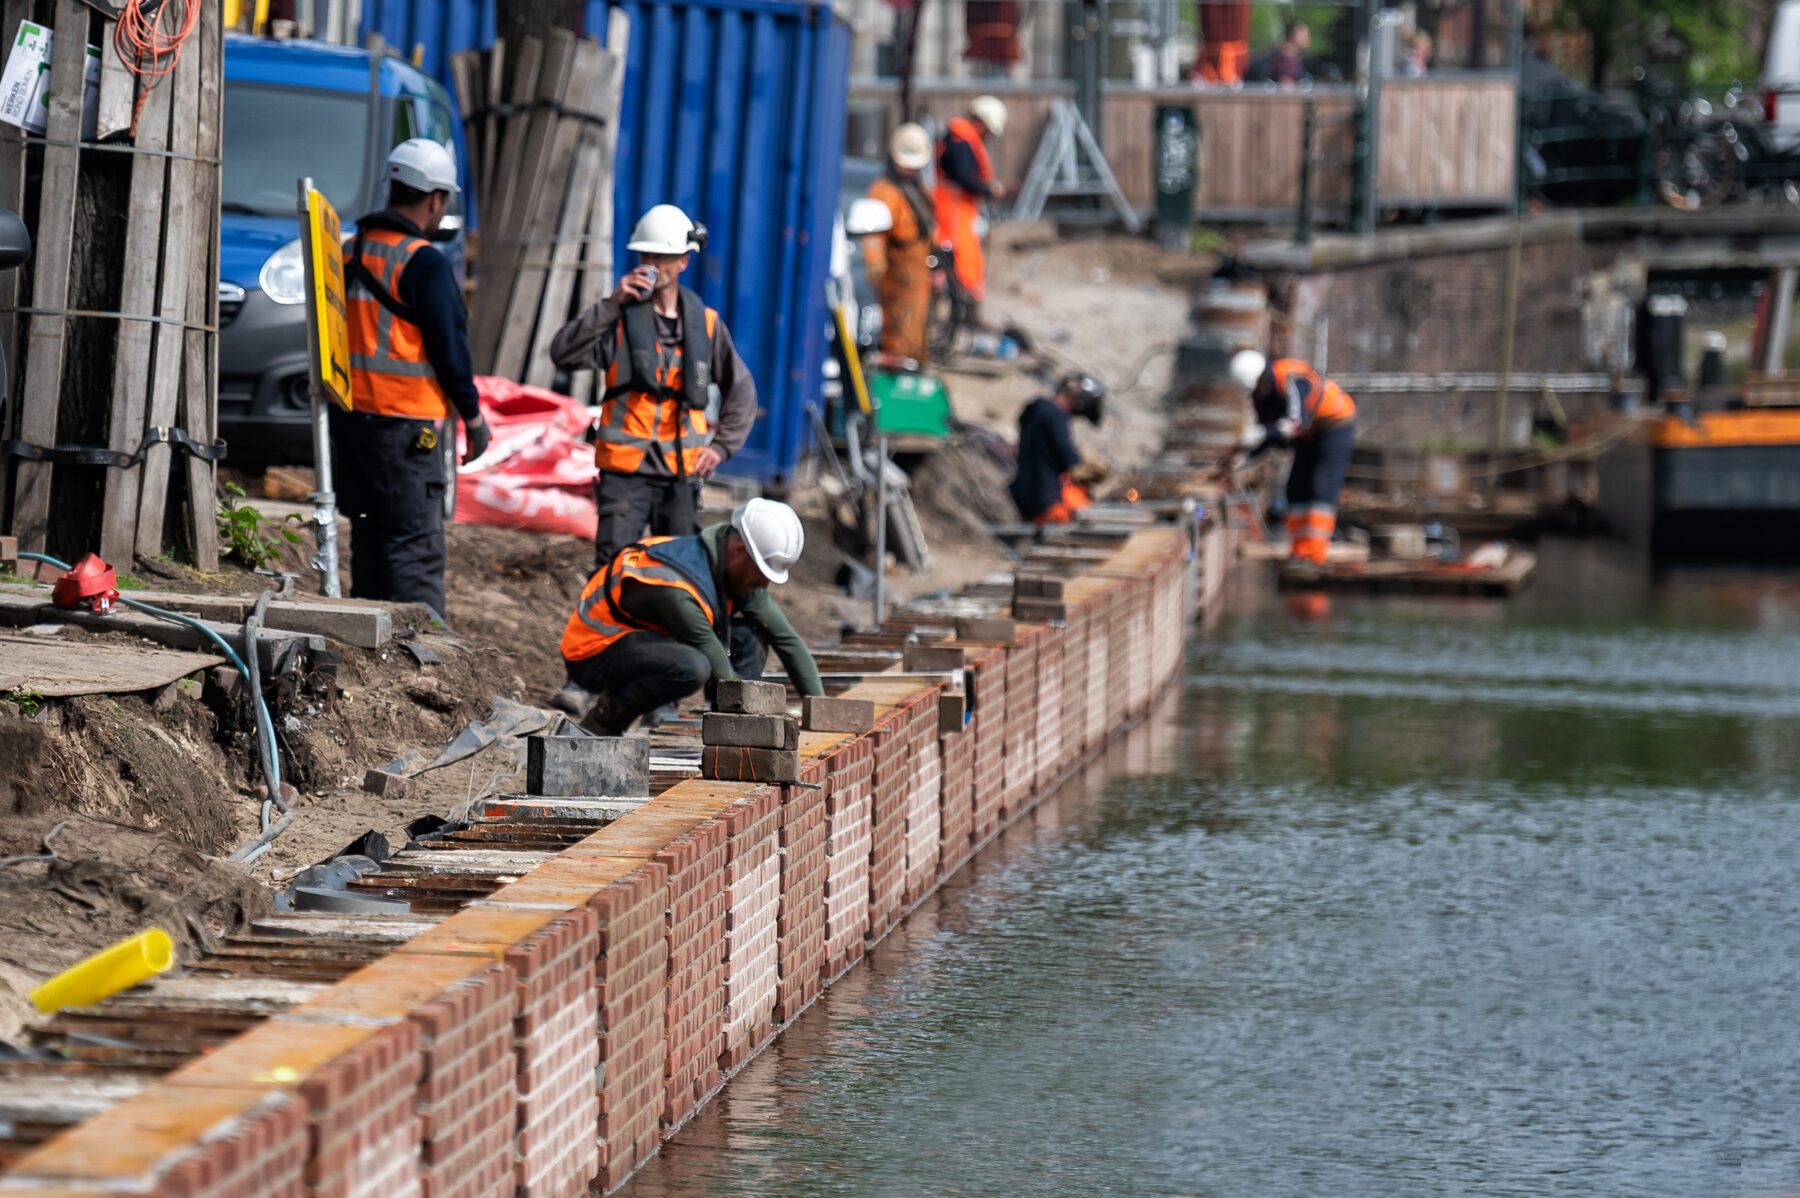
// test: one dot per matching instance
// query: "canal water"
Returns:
(1407, 897)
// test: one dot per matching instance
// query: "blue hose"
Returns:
(265, 727)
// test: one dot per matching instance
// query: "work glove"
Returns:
(1090, 471)
(478, 438)
(1254, 437)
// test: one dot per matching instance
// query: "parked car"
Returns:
(1581, 146)
(297, 108)
(1781, 78)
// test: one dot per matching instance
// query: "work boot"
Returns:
(572, 699)
(607, 717)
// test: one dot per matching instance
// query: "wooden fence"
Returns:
(1446, 140)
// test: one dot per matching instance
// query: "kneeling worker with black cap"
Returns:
(671, 615)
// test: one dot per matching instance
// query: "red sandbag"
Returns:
(537, 473)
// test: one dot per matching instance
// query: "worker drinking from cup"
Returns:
(1295, 406)
(668, 616)
(409, 362)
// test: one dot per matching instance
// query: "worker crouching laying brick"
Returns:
(670, 615)
(1297, 406)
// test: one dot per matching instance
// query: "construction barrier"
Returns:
(549, 1037)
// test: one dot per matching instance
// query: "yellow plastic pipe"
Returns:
(107, 972)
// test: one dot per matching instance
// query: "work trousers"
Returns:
(392, 489)
(625, 503)
(644, 670)
(1321, 463)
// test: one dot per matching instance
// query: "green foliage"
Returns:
(1699, 43)
(1208, 240)
(130, 582)
(30, 702)
(240, 528)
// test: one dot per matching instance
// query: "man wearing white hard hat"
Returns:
(899, 260)
(672, 615)
(965, 180)
(678, 400)
(1294, 406)
(409, 365)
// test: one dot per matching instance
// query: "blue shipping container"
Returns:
(734, 110)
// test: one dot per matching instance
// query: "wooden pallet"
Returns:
(1413, 577)
(543, 190)
(117, 334)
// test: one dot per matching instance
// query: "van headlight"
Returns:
(283, 277)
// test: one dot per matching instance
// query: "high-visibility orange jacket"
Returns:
(656, 416)
(600, 619)
(389, 372)
(1302, 395)
(899, 264)
(960, 189)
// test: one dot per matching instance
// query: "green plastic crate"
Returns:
(914, 405)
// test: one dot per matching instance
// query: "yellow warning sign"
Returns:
(325, 299)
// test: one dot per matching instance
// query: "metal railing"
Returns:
(1312, 165)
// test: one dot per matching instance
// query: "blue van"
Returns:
(296, 108)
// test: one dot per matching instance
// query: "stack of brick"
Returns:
(956, 793)
(1074, 681)
(753, 881)
(800, 918)
(365, 1119)
(206, 1143)
(986, 680)
(1021, 723)
(1038, 599)
(849, 802)
(558, 1053)
(695, 1020)
(887, 817)
(1096, 686)
(1049, 747)
(632, 975)
(750, 737)
(924, 815)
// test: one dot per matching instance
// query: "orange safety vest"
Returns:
(639, 419)
(389, 373)
(1325, 404)
(600, 618)
(957, 210)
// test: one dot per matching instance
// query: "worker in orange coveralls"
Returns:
(1297, 406)
(965, 179)
(899, 260)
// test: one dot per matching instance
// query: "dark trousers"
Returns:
(393, 492)
(644, 670)
(1321, 463)
(625, 503)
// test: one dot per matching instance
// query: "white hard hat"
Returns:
(1247, 368)
(423, 165)
(665, 229)
(989, 111)
(911, 147)
(772, 533)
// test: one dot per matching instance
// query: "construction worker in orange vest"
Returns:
(1297, 406)
(965, 178)
(1053, 480)
(899, 259)
(409, 363)
(678, 400)
(671, 615)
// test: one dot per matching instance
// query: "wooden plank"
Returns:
(555, 195)
(118, 89)
(57, 667)
(172, 306)
(137, 297)
(12, 195)
(490, 131)
(597, 256)
(496, 281)
(586, 177)
(200, 348)
(50, 285)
